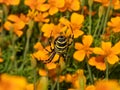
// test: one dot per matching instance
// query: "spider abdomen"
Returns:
(60, 44)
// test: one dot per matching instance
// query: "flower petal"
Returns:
(19, 25)
(77, 18)
(112, 59)
(38, 46)
(56, 57)
(60, 3)
(42, 72)
(14, 2)
(101, 66)
(43, 7)
(53, 10)
(8, 25)
(116, 48)
(92, 61)
(90, 87)
(78, 46)
(13, 18)
(75, 5)
(51, 66)
(106, 46)
(98, 50)
(87, 40)
(77, 33)
(47, 29)
(79, 55)
(18, 32)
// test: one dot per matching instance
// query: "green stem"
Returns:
(13, 49)
(96, 29)
(101, 26)
(58, 84)
(26, 47)
(53, 86)
(106, 17)
(90, 17)
(107, 70)
(82, 6)
(90, 73)
(28, 33)
(34, 78)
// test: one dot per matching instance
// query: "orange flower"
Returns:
(110, 53)
(107, 85)
(42, 72)
(75, 24)
(78, 80)
(55, 5)
(90, 87)
(39, 5)
(29, 87)
(51, 66)
(8, 82)
(115, 3)
(1, 60)
(71, 5)
(10, 2)
(41, 53)
(68, 78)
(114, 24)
(83, 49)
(98, 62)
(51, 30)
(14, 23)
(42, 17)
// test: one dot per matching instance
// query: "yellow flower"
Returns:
(83, 49)
(39, 5)
(114, 24)
(107, 85)
(71, 5)
(98, 62)
(10, 2)
(55, 5)
(75, 24)
(115, 3)
(8, 82)
(14, 23)
(110, 53)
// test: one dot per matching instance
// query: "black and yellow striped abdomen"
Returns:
(60, 44)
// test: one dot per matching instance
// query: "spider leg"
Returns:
(50, 41)
(50, 58)
(70, 40)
